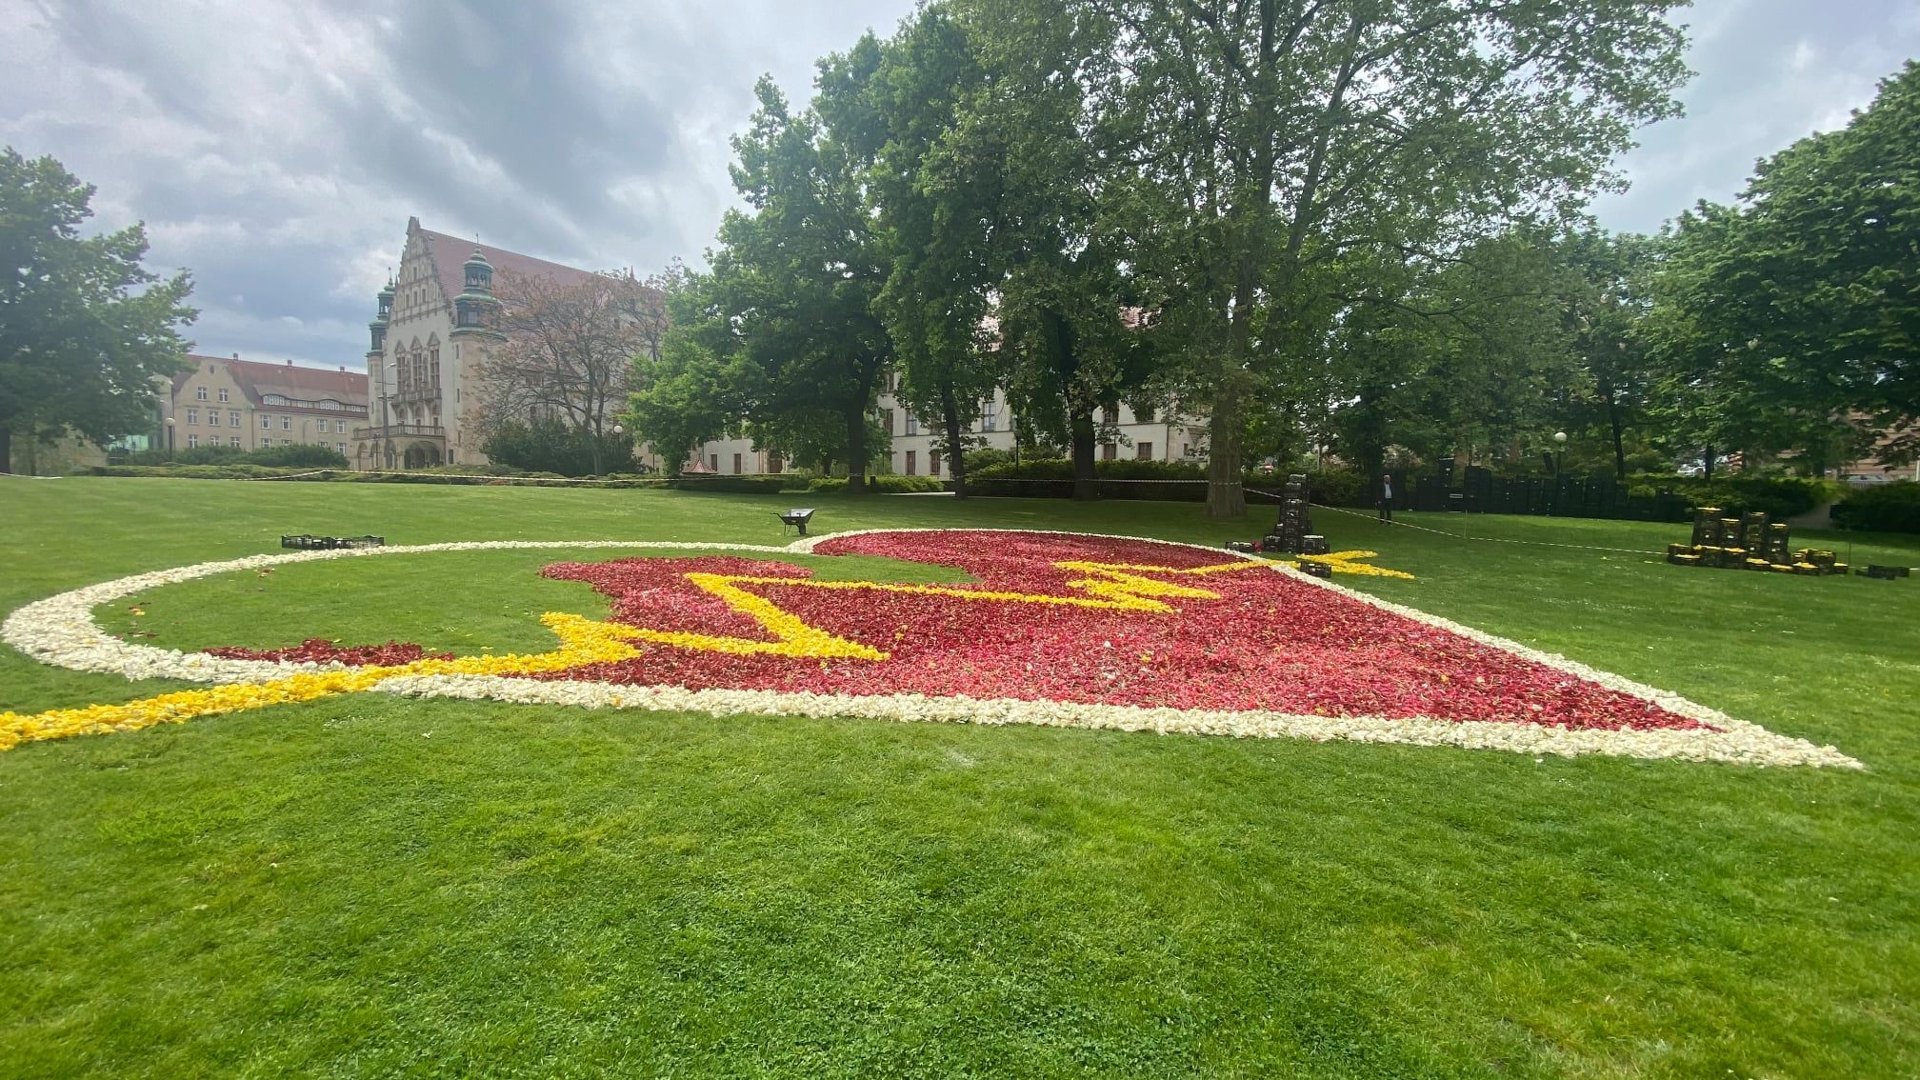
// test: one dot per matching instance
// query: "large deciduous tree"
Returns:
(1782, 316)
(568, 355)
(86, 334)
(1253, 137)
(793, 309)
(937, 195)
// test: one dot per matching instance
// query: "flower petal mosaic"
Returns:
(1054, 629)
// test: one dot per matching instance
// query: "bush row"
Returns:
(1169, 481)
(297, 455)
(1881, 507)
(1775, 496)
(888, 484)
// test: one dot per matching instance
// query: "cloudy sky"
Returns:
(277, 150)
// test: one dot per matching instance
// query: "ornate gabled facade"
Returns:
(429, 341)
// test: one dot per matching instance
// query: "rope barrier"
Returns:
(1486, 539)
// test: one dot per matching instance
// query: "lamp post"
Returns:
(169, 438)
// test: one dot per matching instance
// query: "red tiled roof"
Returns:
(450, 255)
(289, 380)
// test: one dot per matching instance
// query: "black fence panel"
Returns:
(1481, 492)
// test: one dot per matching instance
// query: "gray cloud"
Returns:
(1767, 73)
(277, 149)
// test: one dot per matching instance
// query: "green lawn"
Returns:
(366, 885)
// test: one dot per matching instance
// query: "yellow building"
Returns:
(249, 405)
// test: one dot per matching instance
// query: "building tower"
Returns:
(377, 412)
(476, 310)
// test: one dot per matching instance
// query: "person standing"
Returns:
(1386, 497)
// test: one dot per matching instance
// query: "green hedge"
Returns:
(302, 455)
(1164, 481)
(1882, 507)
(889, 484)
(744, 484)
(1775, 496)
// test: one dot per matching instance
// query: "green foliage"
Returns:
(307, 455)
(987, 457)
(1161, 481)
(883, 483)
(1881, 507)
(556, 447)
(1776, 496)
(1254, 158)
(788, 322)
(742, 484)
(1782, 317)
(85, 331)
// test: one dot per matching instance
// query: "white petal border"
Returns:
(60, 631)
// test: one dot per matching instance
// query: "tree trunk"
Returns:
(1080, 428)
(1618, 424)
(1706, 465)
(6, 449)
(956, 458)
(857, 452)
(1226, 497)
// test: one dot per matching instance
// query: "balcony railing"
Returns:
(401, 431)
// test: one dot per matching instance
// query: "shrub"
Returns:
(1882, 507)
(301, 455)
(987, 457)
(553, 447)
(741, 485)
(1775, 496)
(1172, 481)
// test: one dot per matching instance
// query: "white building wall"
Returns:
(915, 442)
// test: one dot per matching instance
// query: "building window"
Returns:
(193, 416)
(286, 423)
(342, 447)
(1145, 451)
(340, 427)
(1109, 414)
(736, 464)
(933, 463)
(266, 421)
(193, 442)
(1109, 451)
(886, 422)
(200, 393)
(1186, 449)
(775, 463)
(990, 416)
(913, 424)
(713, 462)
(233, 441)
(233, 418)
(223, 393)
(910, 461)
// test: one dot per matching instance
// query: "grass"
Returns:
(364, 886)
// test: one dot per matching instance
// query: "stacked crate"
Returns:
(1291, 532)
(1748, 542)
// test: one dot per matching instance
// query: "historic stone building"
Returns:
(429, 342)
(248, 405)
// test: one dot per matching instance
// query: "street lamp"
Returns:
(169, 438)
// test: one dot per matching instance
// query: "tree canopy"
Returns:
(86, 333)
